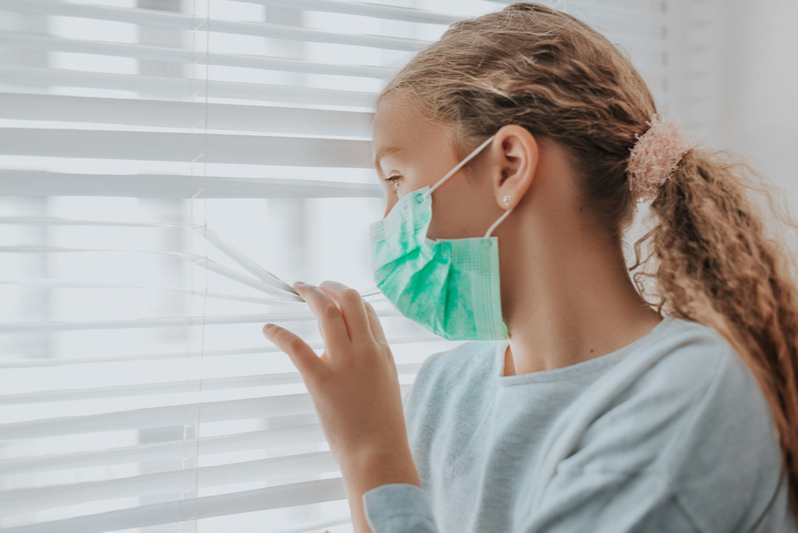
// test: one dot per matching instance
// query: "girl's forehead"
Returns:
(398, 125)
(395, 115)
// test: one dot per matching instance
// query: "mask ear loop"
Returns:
(466, 160)
(458, 167)
(497, 223)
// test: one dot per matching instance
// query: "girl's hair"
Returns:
(714, 263)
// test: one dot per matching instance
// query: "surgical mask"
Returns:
(449, 286)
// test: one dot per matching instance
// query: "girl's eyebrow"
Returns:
(381, 153)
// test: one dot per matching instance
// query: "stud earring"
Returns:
(507, 200)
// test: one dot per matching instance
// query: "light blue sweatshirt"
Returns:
(668, 434)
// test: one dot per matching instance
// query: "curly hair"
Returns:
(710, 258)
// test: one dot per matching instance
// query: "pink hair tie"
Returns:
(654, 157)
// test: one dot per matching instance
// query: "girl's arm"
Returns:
(355, 390)
(366, 473)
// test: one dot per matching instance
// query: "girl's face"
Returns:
(412, 152)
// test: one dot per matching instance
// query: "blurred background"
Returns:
(161, 160)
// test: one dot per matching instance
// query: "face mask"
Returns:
(449, 286)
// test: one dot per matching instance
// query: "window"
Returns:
(156, 156)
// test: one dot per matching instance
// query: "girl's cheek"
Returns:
(391, 200)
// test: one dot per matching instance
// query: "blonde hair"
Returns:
(544, 70)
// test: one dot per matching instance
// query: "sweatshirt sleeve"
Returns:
(399, 508)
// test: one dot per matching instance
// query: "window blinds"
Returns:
(157, 159)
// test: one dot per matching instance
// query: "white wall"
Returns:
(757, 114)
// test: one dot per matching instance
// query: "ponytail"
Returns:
(717, 266)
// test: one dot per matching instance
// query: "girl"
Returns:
(588, 409)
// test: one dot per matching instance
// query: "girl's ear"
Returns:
(517, 154)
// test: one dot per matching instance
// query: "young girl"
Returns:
(588, 409)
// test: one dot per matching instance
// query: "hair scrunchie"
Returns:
(654, 157)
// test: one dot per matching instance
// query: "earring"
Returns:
(507, 200)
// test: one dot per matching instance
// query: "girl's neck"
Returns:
(566, 293)
(570, 309)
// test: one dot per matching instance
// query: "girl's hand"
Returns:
(353, 384)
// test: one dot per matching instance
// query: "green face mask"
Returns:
(449, 286)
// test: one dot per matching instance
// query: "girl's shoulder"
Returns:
(685, 409)
(467, 365)
(685, 376)
(469, 356)
(464, 371)
(692, 367)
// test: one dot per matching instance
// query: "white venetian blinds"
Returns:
(157, 158)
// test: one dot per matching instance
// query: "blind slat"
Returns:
(213, 148)
(245, 262)
(177, 55)
(174, 415)
(48, 284)
(268, 471)
(203, 507)
(185, 386)
(309, 434)
(148, 389)
(57, 221)
(366, 9)
(185, 87)
(135, 112)
(43, 183)
(313, 526)
(162, 322)
(37, 363)
(153, 417)
(163, 19)
(208, 264)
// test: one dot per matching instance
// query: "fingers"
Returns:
(375, 324)
(330, 318)
(301, 354)
(352, 306)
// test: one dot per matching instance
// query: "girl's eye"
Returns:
(394, 181)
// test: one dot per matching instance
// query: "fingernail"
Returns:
(267, 327)
(299, 284)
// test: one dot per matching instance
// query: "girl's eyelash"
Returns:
(394, 181)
